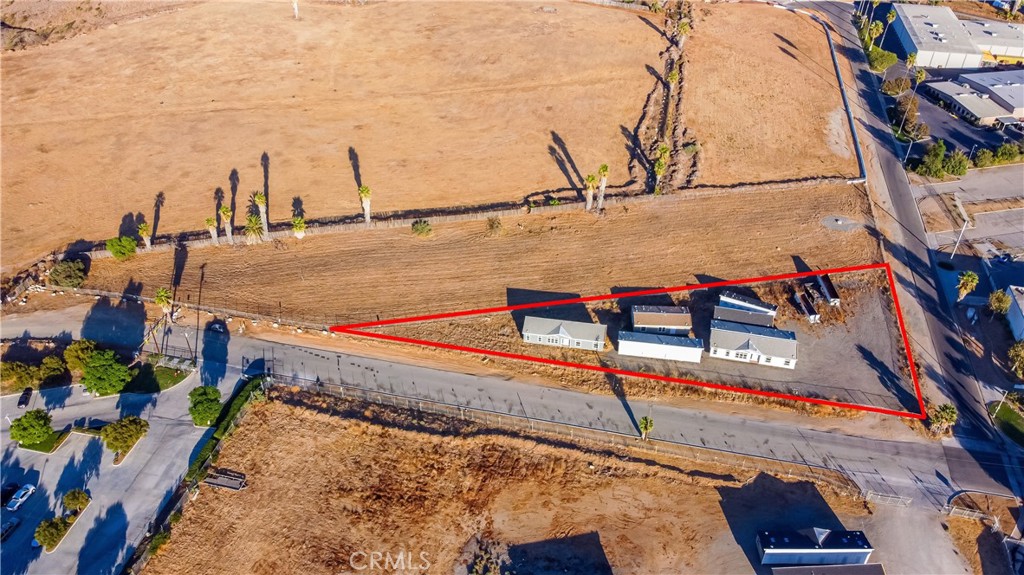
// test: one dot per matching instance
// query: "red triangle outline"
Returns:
(357, 329)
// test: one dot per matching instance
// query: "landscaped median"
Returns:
(51, 532)
(1009, 420)
(226, 419)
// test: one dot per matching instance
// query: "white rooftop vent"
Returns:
(983, 96)
(985, 24)
(943, 40)
(992, 33)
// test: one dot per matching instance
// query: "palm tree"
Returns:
(664, 151)
(646, 426)
(603, 173)
(299, 227)
(968, 281)
(164, 299)
(211, 226)
(874, 4)
(591, 182)
(260, 199)
(874, 31)
(253, 229)
(911, 61)
(364, 199)
(943, 417)
(144, 232)
(889, 17)
(225, 218)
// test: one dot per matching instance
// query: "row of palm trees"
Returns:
(876, 28)
(256, 227)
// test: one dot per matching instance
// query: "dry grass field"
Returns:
(761, 97)
(365, 276)
(428, 103)
(322, 487)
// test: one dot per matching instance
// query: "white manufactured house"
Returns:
(670, 320)
(562, 333)
(937, 36)
(657, 346)
(813, 547)
(737, 301)
(1015, 315)
(753, 344)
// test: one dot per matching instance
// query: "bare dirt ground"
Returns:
(365, 276)
(936, 217)
(429, 103)
(778, 118)
(979, 546)
(322, 487)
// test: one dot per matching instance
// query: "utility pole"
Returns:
(957, 244)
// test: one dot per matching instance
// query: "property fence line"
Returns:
(957, 511)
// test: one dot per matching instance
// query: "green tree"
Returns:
(253, 229)
(999, 302)
(956, 163)
(912, 61)
(165, 299)
(225, 218)
(105, 375)
(1016, 357)
(204, 405)
(646, 426)
(919, 76)
(591, 185)
(364, 200)
(51, 368)
(943, 417)
(1007, 152)
(684, 28)
(50, 531)
(260, 199)
(122, 248)
(602, 172)
(421, 228)
(211, 226)
(931, 165)
(31, 428)
(77, 354)
(121, 435)
(144, 233)
(76, 500)
(874, 4)
(984, 158)
(659, 171)
(299, 227)
(968, 280)
(889, 17)
(874, 31)
(23, 375)
(68, 273)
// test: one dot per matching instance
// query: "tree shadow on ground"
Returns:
(106, 544)
(265, 164)
(120, 325)
(298, 211)
(158, 203)
(353, 159)
(890, 380)
(766, 504)
(79, 470)
(129, 226)
(213, 365)
(581, 553)
(233, 180)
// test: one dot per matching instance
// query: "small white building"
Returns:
(1015, 315)
(657, 346)
(562, 333)
(737, 301)
(813, 546)
(753, 344)
(670, 320)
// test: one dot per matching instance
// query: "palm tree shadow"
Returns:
(158, 202)
(233, 180)
(353, 159)
(265, 164)
(297, 210)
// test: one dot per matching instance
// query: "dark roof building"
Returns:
(744, 316)
(813, 547)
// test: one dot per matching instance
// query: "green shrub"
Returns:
(931, 165)
(121, 435)
(31, 428)
(1007, 152)
(105, 374)
(235, 406)
(122, 248)
(52, 368)
(896, 86)
(421, 228)
(956, 163)
(69, 273)
(880, 60)
(50, 531)
(204, 405)
(691, 149)
(984, 158)
(78, 353)
(684, 28)
(23, 375)
(175, 517)
(76, 500)
(158, 541)
(194, 468)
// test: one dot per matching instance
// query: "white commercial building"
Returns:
(998, 41)
(753, 344)
(985, 98)
(656, 346)
(936, 35)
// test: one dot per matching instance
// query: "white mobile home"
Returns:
(657, 346)
(670, 320)
(813, 547)
(737, 301)
(753, 344)
(561, 333)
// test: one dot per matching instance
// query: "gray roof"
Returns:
(935, 28)
(573, 329)
(767, 341)
(749, 301)
(1007, 86)
(1018, 295)
(659, 339)
(661, 315)
(742, 316)
(969, 98)
(997, 38)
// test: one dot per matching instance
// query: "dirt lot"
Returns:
(979, 545)
(778, 118)
(324, 487)
(428, 103)
(392, 273)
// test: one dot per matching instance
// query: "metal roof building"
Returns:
(1015, 315)
(753, 344)
(965, 101)
(659, 346)
(562, 333)
(743, 316)
(1004, 87)
(735, 300)
(998, 41)
(813, 547)
(936, 35)
(661, 319)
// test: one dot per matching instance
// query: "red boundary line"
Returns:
(357, 329)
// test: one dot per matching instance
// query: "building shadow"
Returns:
(16, 561)
(769, 504)
(800, 265)
(213, 365)
(536, 298)
(106, 544)
(353, 159)
(158, 204)
(581, 553)
(121, 324)
(656, 299)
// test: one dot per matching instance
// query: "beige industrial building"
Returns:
(984, 98)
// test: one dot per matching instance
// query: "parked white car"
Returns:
(20, 497)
